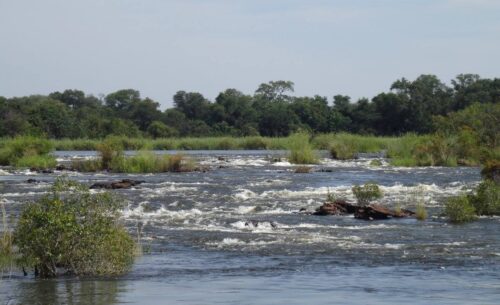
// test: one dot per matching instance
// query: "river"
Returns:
(233, 235)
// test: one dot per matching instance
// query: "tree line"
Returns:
(409, 106)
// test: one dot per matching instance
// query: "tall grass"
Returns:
(27, 151)
(6, 247)
(301, 150)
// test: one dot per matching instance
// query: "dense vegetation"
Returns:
(409, 106)
(73, 231)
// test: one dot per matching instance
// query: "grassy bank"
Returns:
(406, 150)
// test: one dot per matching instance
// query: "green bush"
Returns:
(459, 209)
(487, 198)
(110, 150)
(75, 231)
(301, 151)
(366, 193)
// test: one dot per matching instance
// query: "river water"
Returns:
(233, 235)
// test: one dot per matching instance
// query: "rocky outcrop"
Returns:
(370, 212)
(337, 207)
(123, 184)
(378, 212)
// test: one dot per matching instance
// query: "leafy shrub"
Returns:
(487, 198)
(459, 209)
(366, 193)
(301, 151)
(75, 231)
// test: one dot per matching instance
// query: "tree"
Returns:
(192, 104)
(275, 90)
(159, 130)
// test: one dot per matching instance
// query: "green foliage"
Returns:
(486, 201)
(75, 231)
(366, 193)
(27, 152)
(158, 129)
(459, 209)
(301, 151)
(375, 162)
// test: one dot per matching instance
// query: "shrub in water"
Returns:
(73, 231)
(301, 151)
(459, 209)
(366, 193)
(487, 198)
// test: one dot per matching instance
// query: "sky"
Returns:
(326, 47)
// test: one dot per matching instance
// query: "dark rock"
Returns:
(42, 170)
(303, 170)
(256, 223)
(61, 167)
(377, 212)
(123, 184)
(32, 181)
(221, 159)
(371, 212)
(337, 207)
(325, 170)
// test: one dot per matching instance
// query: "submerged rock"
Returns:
(256, 223)
(123, 184)
(377, 212)
(370, 212)
(337, 207)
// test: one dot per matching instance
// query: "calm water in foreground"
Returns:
(233, 235)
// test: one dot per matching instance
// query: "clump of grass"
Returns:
(420, 211)
(7, 255)
(254, 143)
(459, 209)
(27, 151)
(366, 193)
(301, 151)
(303, 170)
(343, 151)
(45, 161)
(109, 151)
(375, 163)
(79, 233)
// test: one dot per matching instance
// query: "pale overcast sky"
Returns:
(353, 47)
